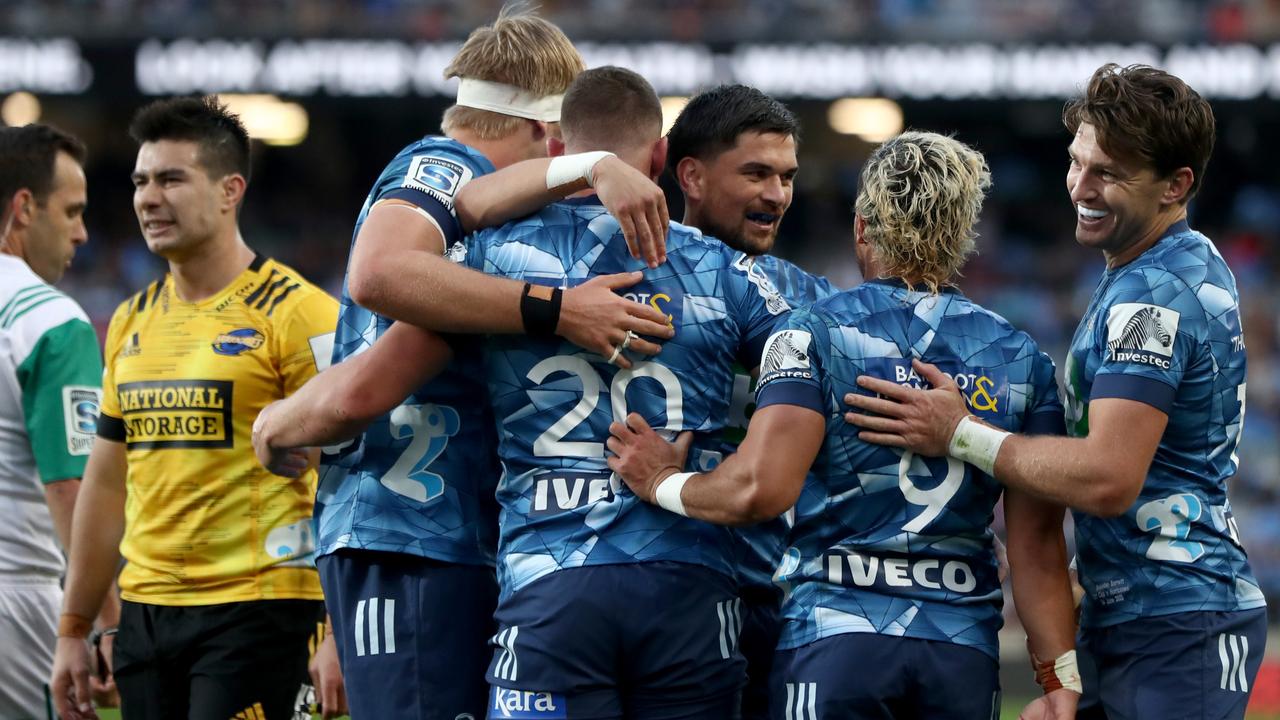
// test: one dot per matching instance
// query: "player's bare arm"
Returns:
(754, 484)
(634, 200)
(1100, 474)
(337, 404)
(97, 529)
(1042, 595)
(397, 269)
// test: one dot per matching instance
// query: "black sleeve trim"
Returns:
(1147, 390)
(111, 428)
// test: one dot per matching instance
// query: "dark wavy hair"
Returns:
(1142, 113)
(27, 158)
(223, 141)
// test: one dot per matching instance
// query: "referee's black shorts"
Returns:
(214, 662)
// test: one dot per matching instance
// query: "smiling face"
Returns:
(1121, 206)
(179, 206)
(57, 223)
(740, 195)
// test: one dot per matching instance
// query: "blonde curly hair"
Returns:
(920, 197)
(519, 49)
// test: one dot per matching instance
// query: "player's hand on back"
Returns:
(594, 317)
(69, 685)
(921, 421)
(639, 206)
(642, 458)
(1057, 705)
(289, 463)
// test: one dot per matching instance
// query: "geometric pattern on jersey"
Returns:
(885, 541)
(1165, 330)
(561, 506)
(760, 546)
(420, 479)
(205, 523)
(50, 380)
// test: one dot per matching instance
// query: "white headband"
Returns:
(508, 100)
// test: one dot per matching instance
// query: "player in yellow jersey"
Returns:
(219, 593)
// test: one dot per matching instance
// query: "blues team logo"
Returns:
(1142, 333)
(234, 342)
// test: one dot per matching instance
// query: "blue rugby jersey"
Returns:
(885, 541)
(760, 546)
(420, 480)
(561, 506)
(1165, 330)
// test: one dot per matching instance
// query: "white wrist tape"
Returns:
(977, 444)
(667, 494)
(1061, 674)
(569, 168)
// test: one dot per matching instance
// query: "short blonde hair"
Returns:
(920, 197)
(519, 49)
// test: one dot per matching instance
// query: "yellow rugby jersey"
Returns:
(205, 523)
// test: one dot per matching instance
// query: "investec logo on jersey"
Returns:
(854, 569)
(526, 704)
(437, 177)
(558, 491)
(1142, 333)
(176, 413)
(786, 357)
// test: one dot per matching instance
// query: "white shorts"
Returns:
(28, 633)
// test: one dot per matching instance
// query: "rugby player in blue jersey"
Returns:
(1172, 622)
(895, 601)
(405, 515)
(733, 151)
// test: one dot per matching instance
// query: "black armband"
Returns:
(539, 313)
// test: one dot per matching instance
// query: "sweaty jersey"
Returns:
(421, 478)
(1165, 330)
(885, 541)
(561, 506)
(205, 523)
(51, 372)
(760, 546)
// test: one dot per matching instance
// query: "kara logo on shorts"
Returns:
(80, 405)
(1141, 333)
(234, 342)
(176, 413)
(525, 704)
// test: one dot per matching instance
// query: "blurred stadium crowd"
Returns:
(688, 20)
(306, 197)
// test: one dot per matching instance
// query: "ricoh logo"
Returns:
(526, 705)
(857, 570)
(557, 492)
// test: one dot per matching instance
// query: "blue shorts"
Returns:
(1184, 665)
(761, 625)
(865, 676)
(647, 641)
(412, 633)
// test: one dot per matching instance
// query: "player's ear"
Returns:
(233, 187)
(1179, 185)
(555, 146)
(657, 158)
(538, 130)
(691, 175)
(22, 207)
(859, 229)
